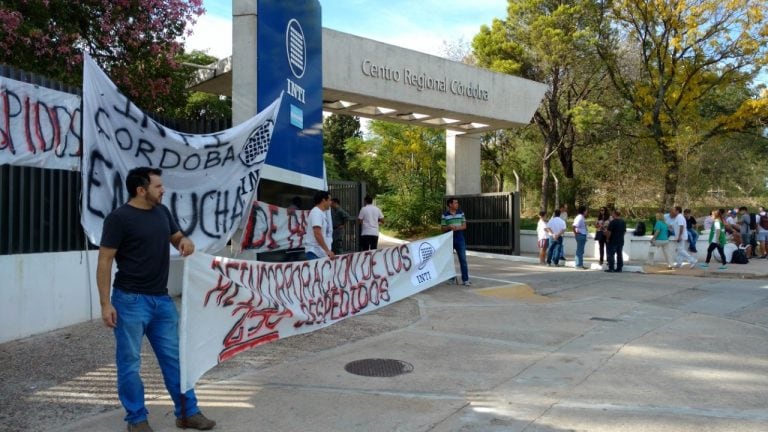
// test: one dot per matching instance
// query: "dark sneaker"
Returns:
(140, 427)
(197, 421)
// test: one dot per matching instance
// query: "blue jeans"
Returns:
(555, 250)
(461, 253)
(155, 317)
(693, 236)
(581, 240)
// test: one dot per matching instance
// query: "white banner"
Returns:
(209, 179)
(229, 306)
(39, 127)
(272, 228)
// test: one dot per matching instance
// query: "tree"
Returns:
(201, 105)
(405, 166)
(337, 129)
(668, 59)
(547, 41)
(135, 41)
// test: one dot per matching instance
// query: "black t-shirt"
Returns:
(618, 228)
(690, 222)
(142, 239)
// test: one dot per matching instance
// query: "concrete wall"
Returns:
(43, 292)
(635, 248)
(48, 291)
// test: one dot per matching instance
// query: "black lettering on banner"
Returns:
(186, 227)
(126, 110)
(74, 131)
(96, 119)
(208, 196)
(123, 136)
(169, 159)
(93, 182)
(143, 148)
(195, 158)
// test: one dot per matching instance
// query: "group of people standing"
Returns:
(609, 233)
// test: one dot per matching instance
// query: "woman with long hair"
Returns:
(602, 221)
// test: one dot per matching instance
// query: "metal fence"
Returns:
(39, 208)
(350, 195)
(492, 222)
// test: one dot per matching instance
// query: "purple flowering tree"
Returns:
(136, 41)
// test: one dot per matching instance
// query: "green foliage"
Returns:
(405, 167)
(337, 129)
(670, 61)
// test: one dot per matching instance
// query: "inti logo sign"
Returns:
(296, 48)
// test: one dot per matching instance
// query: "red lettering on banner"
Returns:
(318, 291)
(255, 327)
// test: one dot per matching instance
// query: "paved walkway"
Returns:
(526, 348)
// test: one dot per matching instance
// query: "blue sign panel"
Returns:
(289, 43)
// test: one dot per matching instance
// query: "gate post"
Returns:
(515, 223)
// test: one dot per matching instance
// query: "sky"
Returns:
(421, 25)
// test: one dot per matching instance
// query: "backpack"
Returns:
(739, 257)
(640, 229)
(752, 222)
(764, 222)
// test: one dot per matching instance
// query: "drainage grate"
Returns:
(378, 367)
(604, 319)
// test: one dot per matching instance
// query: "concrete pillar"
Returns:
(243, 60)
(462, 163)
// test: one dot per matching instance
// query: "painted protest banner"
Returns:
(272, 228)
(229, 305)
(209, 179)
(39, 127)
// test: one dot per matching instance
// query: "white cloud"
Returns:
(212, 34)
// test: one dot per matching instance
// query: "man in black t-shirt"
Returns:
(137, 235)
(614, 241)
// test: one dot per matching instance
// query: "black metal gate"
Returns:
(350, 195)
(493, 222)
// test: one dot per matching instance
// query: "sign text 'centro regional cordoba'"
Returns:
(423, 81)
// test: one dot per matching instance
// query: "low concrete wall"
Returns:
(48, 291)
(635, 247)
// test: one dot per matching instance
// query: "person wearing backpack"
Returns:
(717, 239)
(746, 230)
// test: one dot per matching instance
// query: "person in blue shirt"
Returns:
(453, 220)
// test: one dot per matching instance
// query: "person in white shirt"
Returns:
(680, 228)
(318, 240)
(580, 233)
(543, 237)
(370, 217)
(556, 228)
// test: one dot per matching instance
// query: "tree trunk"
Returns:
(545, 178)
(671, 175)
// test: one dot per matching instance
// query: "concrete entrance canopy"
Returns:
(366, 78)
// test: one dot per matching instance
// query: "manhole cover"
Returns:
(378, 367)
